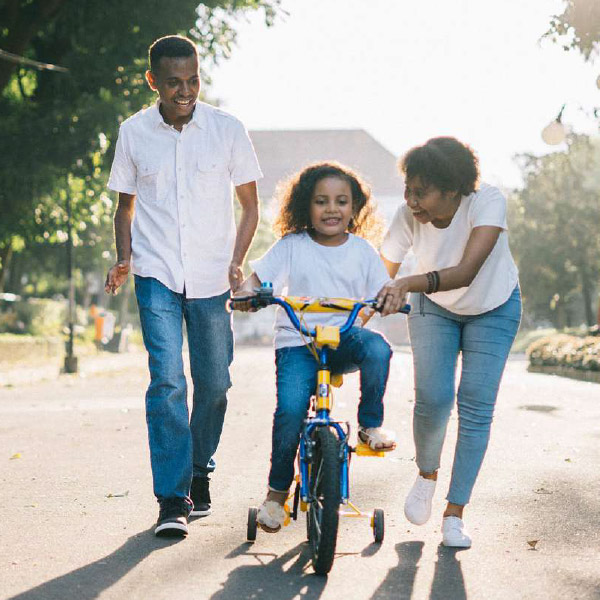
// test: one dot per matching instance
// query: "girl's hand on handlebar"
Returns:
(392, 296)
(244, 306)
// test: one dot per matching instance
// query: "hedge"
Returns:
(568, 351)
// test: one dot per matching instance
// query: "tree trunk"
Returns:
(586, 292)
(6, 253)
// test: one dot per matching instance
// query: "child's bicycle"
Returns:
(322, 483)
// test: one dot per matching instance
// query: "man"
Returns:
(174, 228)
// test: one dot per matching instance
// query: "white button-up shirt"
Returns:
(183, 231)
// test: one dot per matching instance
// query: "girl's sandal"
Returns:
(377, 438)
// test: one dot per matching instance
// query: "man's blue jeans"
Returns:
(438, 337)
(180, 446)
(359, 349)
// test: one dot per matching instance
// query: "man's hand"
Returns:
(117, 276)
(236, 276)
(392, 296)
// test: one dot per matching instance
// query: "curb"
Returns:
(570, 372)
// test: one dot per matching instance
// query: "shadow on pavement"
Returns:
(400, 580)
(272, 579)
(90, 581)
(448, 580)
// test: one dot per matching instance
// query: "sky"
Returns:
(408, 70)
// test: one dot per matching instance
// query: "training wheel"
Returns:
(251, 531)
(378, 525)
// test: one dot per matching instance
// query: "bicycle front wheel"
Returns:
(324, 500)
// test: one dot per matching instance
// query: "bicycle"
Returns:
(322, 482)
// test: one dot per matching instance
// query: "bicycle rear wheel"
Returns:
(324, 500)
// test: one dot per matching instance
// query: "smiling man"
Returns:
(173, 170)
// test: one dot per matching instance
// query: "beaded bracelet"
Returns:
(430, 282)
(433, 282)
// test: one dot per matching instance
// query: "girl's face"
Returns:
(429, 204)
(331, 211)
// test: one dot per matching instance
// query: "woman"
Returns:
(466, 300)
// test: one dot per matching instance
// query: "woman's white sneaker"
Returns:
(417, 507)
(455, 533)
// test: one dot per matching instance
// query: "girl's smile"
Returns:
(330, 211)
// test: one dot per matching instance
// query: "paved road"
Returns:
(77, 508)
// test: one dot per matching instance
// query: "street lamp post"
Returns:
(70, 359)
(555, 132)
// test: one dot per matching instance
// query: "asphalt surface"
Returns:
(76, 504)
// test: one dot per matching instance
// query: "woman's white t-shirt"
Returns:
(296, 265)
(437, 249)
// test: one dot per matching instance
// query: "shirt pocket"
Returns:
(151, 180)
(212, 175)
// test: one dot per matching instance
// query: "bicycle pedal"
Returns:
(362, 449)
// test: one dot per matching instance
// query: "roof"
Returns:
(283, 152)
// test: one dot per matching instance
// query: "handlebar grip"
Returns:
(405, 309)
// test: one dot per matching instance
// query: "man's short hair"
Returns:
(170, 46)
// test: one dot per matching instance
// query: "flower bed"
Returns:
(566, 355)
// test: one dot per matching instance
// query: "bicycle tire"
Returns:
(378, 525)
(323, 509)
(252, 524)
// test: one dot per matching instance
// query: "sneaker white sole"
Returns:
(201, 513)
(171, 530)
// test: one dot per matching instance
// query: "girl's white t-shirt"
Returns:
(437, 249)
(296, 265)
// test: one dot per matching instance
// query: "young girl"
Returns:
(324, 209)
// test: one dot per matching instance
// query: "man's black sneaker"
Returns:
(172, 518)
(200, 497)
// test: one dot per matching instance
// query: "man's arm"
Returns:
(117, 275)
(247, 195)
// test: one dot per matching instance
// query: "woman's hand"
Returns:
(392, 296)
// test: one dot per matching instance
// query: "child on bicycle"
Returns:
(325, 210)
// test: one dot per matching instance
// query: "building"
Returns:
(282, 153)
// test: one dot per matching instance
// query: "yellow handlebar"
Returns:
(320, 305)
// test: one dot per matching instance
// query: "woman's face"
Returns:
(428, 203)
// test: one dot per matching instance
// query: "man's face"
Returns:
(177, 81)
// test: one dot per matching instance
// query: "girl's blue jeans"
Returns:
(180, 446)
(359, 349)
(484, 341)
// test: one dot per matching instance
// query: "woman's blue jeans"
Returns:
(180, 446)
(359, 349)
(484, 341)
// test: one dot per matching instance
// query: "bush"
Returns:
(564, 350)
(34, 316)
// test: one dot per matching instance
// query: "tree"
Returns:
(577, 27)
(554, 230)
(57, 128)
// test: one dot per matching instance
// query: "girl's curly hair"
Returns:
(295, 194)
(444, 162)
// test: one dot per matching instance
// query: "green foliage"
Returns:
(58, 129)
(554, 231)
(577, 27)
